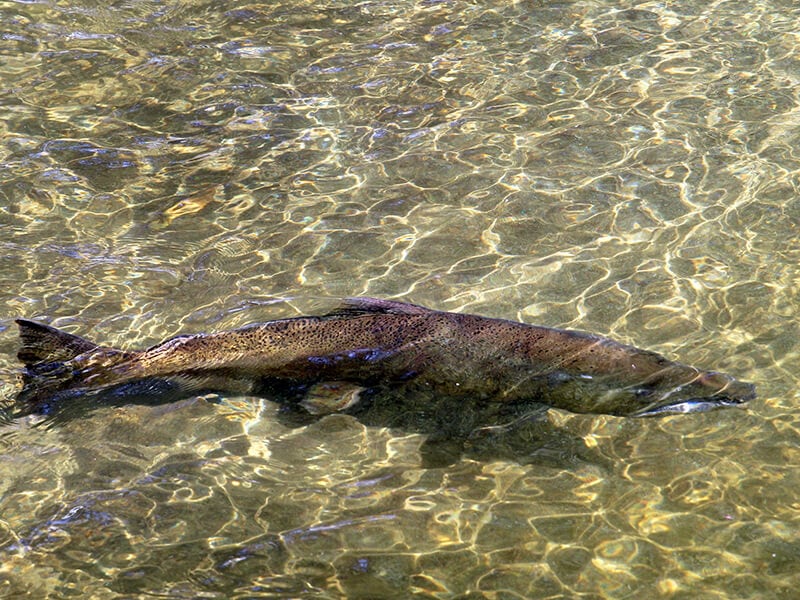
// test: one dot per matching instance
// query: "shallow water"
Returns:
(619, 167)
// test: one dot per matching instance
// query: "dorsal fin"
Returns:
(42, 343)
(353, 307)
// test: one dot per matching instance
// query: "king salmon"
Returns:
(329, 361)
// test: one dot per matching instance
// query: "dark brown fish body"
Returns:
(370, 343)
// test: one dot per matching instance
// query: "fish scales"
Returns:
(371, 342)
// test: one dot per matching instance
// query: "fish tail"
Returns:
(67, 376)
(51, 375)
(44, 344)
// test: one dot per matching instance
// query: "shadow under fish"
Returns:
(454, 376)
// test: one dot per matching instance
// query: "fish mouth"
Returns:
(733, 395)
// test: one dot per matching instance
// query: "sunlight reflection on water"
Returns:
(625, 169)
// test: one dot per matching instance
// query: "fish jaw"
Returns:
(710, 391)
(693, 405)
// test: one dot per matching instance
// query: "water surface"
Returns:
(627, 168)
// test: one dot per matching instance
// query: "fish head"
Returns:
(707, 390)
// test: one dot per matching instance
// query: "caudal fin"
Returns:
(49, 377)
(43, 344)
(66, 376)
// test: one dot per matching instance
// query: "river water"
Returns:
(626, 168)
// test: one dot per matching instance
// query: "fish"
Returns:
(371, 350)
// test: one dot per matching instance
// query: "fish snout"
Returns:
(724, 386)
(707, 391)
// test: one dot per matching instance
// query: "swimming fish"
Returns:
(334, 362)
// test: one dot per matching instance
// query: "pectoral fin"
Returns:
(331, 396)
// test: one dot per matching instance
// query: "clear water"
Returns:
(628, 168)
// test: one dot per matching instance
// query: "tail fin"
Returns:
(49, 378)
(66, 376)
(43, 344)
